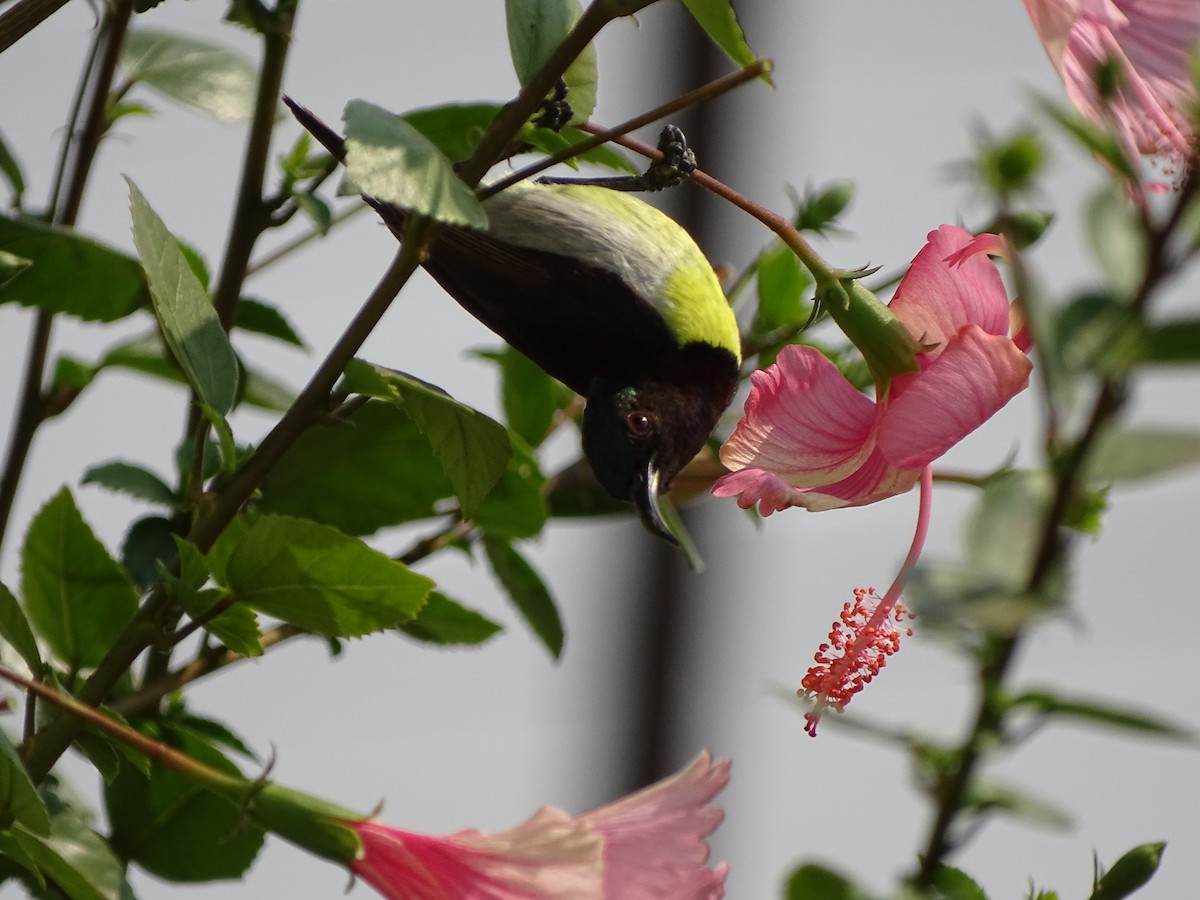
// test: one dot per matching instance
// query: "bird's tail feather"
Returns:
(329, 139)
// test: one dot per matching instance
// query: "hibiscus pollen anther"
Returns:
(866, 633)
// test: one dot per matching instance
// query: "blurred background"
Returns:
(659, 662)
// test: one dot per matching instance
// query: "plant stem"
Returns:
(289, 247)
(30, 411)
(1068, 464)
(514, 114)
(251, 217)
(702, 94)
(24, 17)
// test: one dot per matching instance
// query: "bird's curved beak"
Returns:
(645, 498)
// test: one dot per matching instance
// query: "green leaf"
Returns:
(317, 211)
(535, 29)
(390, 160)
(174, 828)
(321, 580)
(813, 882)
(264, 392)
(189, 322)
(949, 883)
(1118, 240)
(608, 156)
(360, 475)
(990, 795)
(1099, 713)
(781, 284)
(11, 170)
(78, 599)
(11, 266)
(204, 76)
(516, 507)
(530, 398)
(1128, 454)
(262, 318)
(16, 860)
(236, 627)
(218, 734)
(952, 599)
(15, 630)
(472, 449)
(527, 592)
(149, 541)
(445, 621)
(70, 274)
(454, 128)
(720, 23)
(19, 798)
(1130, 872)
(1000, 544)
(136, 481)
(80, 863)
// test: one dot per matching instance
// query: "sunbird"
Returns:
(610, 296)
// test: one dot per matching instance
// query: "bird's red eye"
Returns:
(639, 423)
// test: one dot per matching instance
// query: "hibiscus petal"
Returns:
(654, 839)
(974, 377)
(935, 299)
(803, 419)
(874, 480)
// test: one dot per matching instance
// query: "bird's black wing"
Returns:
(574, 319)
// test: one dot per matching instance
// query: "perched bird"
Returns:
(611, 297)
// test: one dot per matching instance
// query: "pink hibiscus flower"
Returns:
(808, 438)
(1152, 42)
(647, 846)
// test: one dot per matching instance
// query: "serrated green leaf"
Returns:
(162, 820)
(11, 170)
(80, 863)
(133, 480)
(472, 449)
(70, 273)
(321, 580)
(535, 29)
(1130, 872)
(360, 475)
(76, 596)
(19, 799)
(204, 76)
(515, 508)
(236, 627)
(262, 318)
(1128, 454)
(149, 541)
(15, 630)
(189, 322)
(813, 882)
(454, 128)
(720, 23)
(445, 621)
(218, 734)
(527, 591)
(1100, 713)
(388, 159)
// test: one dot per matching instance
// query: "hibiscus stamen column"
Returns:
(866, 634)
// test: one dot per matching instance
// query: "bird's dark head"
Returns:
(638, 437)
